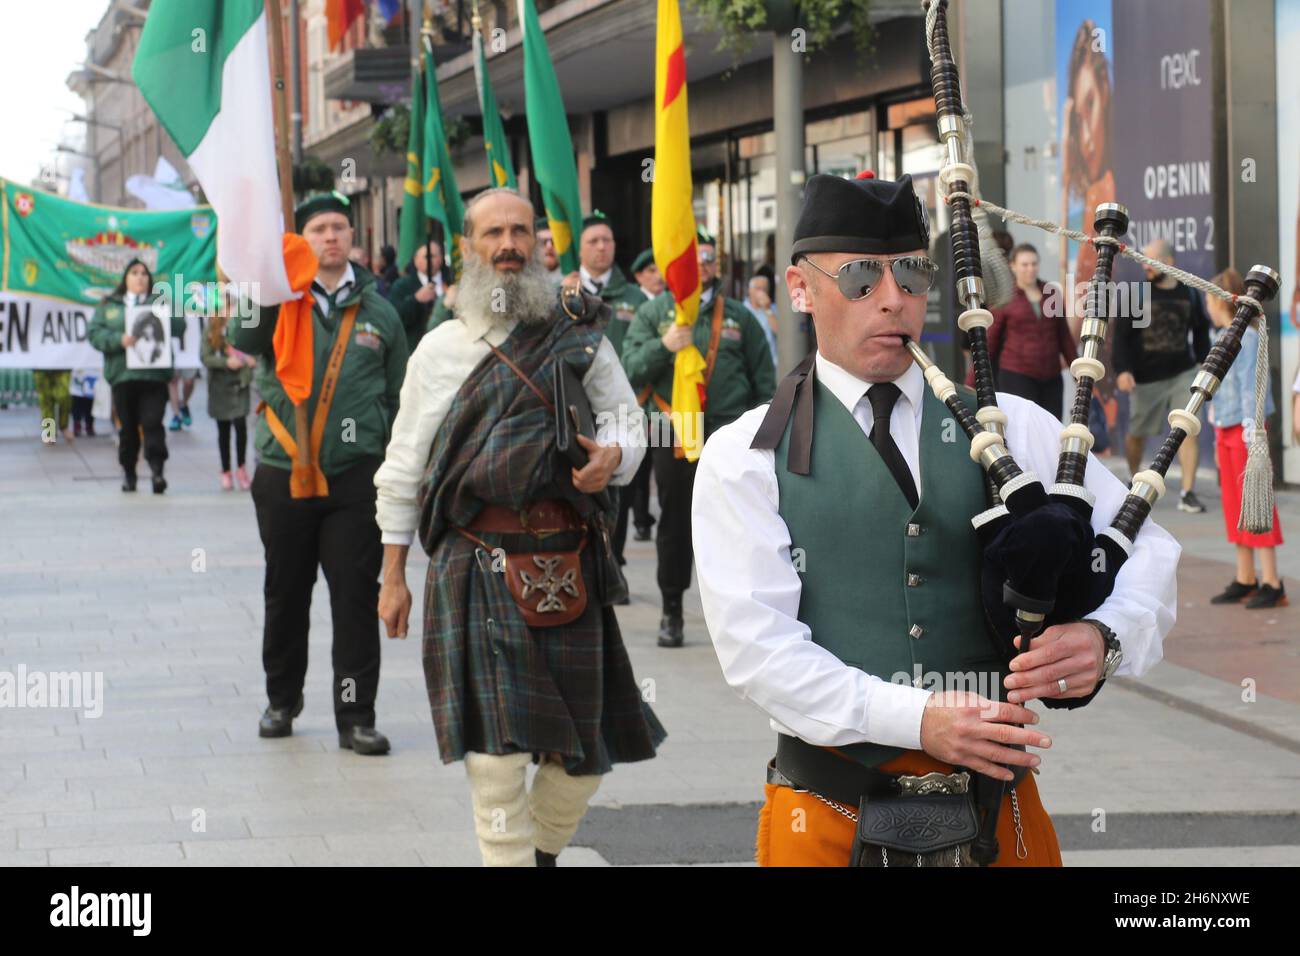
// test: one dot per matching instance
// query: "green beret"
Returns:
(596, 218)
(703, 237)
(318, 203)
(647, 258)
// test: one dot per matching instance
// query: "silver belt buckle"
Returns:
(934, 782)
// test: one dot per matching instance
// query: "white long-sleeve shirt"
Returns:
(750, 588)
(436, 371)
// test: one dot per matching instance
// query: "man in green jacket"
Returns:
(414, 294)
(336, 531)
(601, 276)
(634, 497)
(739, 376)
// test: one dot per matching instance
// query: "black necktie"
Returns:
(596, 287)
(882, 396)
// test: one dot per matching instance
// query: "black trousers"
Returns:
(633, 497)
(1044, 392)
(140, 407)
(674, 480)
(81, 410)
(338, 533)
(241, 441)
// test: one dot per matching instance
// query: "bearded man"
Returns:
(522, 653)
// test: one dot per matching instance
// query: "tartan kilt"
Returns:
(498, 686)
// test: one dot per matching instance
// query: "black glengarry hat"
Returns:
(865, 214)
(318, 203)
(644, 260)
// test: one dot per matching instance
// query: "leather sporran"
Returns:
(932, 822)
(547, 586)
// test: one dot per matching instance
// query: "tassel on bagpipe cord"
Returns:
(1261, 285)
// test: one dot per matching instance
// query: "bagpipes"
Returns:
(1043, 564)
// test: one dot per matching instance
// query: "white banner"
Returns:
(40, 333)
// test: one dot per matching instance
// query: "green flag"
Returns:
(441, 197)
(500, 169)
(548, 137)
(414, 231)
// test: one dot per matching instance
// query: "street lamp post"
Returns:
(121, 157)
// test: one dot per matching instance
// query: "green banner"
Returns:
(60, 258)
(413, 227)
(548, 135)
(441, 197)
(500, 167)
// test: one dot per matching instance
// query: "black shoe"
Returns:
(544, 858)
(278, 721)
(128, 481)
(1268, 596)
(363, 740)
(670, 631)
(159, 482)
(624, 600)
(1188, 502)
(642, 533)
(1234, 592)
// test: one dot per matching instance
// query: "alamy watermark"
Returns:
(76, 690)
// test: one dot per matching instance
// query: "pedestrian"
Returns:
(600, 275)
(634, 498)
(1233, 413)
(1155, 366)
(414, 294)
(357, 359)
(139, 394)
(838, 564)
(759, 304)
(550, 255)
(1030, 337)
(645, 271)
(387, 273)
(739, 374)
(230, 379)
(522, 652)
(83, 401)
(53, 394)
(179, 390)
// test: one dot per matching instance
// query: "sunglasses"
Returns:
(708, 257)
(858, 278)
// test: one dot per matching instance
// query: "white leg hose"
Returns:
(557, 803)
(501, 818)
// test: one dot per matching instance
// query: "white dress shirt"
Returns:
(750, 588)
(436, 371)
(437, 282)
(589, 281)
(323, 297)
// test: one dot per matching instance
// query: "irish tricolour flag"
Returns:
(203, 66)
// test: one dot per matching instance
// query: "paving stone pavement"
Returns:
(161, 597)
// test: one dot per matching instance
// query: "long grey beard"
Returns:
(498, 297)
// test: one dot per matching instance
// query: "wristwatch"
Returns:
(1114, 653)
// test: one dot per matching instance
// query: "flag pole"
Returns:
(426, 63)
(284, 165)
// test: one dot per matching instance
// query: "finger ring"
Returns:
(1061, 684)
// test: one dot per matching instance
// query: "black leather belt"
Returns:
(819, 769)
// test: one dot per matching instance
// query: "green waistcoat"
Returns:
(886, 589)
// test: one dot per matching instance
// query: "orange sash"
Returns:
(312, 483)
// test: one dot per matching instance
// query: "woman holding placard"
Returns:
(138, 375)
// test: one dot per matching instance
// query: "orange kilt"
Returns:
(821, 836)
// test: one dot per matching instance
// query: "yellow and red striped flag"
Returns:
(673, 221)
